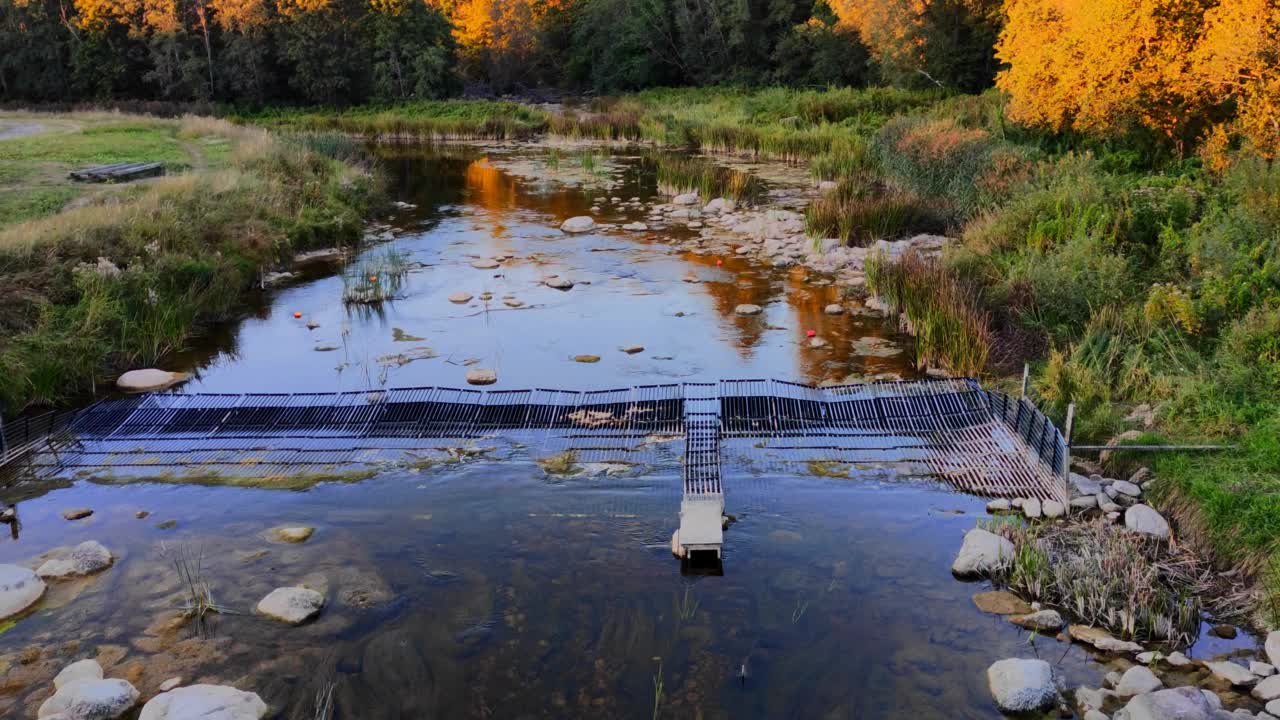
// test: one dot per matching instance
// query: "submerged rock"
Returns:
(558, 283)
(84, 559)
(201, 702)
(747, 309)
(586, 358)
(981, 553)
(1184, 703)
(87, 669)
(76, 514)
(460, 298)
(1001, 602)
(1021, 686)
(149, 380)
(90, 699)
(1040, 621)
(20, 588)
(293, 534)
(834, 309)
(1102, 640)
(632, 349)
(579, 224)
(294, 605)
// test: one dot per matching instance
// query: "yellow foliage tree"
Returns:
(1180, 67)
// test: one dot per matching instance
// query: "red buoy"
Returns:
(810, 333)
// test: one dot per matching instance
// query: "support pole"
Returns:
(1066, 437)
(1026, 377)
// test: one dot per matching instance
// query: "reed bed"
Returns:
(952, 329)
(860, 211)
(681, 173)
(1133, 585)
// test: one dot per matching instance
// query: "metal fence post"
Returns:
(1066, 440)
(1026, 377)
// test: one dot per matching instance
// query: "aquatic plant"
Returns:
(952, 328)
(564, 463)
(686, 606)
(198, 600)
(1133, 585)
(682, 173)
(657, 690)
(374, 280)
(802, 606)
(861, 209)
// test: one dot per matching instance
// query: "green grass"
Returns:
(20, 204)
(681, 174)
(102, 144)
(422, 120)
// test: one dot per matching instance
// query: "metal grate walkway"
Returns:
(978, 440)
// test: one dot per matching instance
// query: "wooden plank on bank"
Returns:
(118, 172)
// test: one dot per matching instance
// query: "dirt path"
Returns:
(10, 131)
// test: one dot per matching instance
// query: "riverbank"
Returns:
(100, 279)
(1140, 286)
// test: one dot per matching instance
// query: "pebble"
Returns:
(293, 534)
(747, 309)
(632, 349)
(293, 605)
(484, 264)
(559, 283)
(77, 514)
(586, 358)
(834, 309)
(460, 298)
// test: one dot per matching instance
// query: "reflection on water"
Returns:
(485, 591)
(630, 288)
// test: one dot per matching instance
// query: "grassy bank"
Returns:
(124, 275)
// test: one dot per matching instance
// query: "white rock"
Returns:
(86, 669)
(747, 309)
(293, 605)
(204, 702)
(84, 559)
(1137, 680)
(998, 506)
(1083, 503)
(170, 684)
(1177, 659)
(1127, 488)
(90, 699)
(558, 282)
(981, 553)
(1183, 703)
(685, 199)
(1053, 509)
(1020, 685)
(1143, 519)
(1272, 646)
(1232, 673)
(635, 227)
(149, 380)
(1095, 715)
(834, 309)
(19, 589)
(1268, 689)
(484, 264)
(1273, 708)
(1084, 485)
(1031, 509)
(1262, 669)
(579, 224)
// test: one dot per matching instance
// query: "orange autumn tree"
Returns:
(1186, 69)
(501, 36)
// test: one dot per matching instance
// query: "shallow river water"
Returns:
(492, 590)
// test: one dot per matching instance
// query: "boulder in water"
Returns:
(84, 559)
(579, 224)
(293, 605)
(195, 702)
(1021, 686)
(20, 588)
(981, 553)
(90, 699)
(149, 380)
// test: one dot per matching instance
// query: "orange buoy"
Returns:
(297, 315)
(719, 262)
